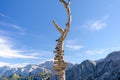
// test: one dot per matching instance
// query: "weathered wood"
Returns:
(57, 27)
(59, 63)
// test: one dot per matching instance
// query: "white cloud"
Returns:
(18, 65)
(6, 50)
(5, 24)
(96, 25)
(3, 15)
(94, 52)
(73, 44)
(71, 41)
(74, 47)
(41, 54)
(12, 26)
(102, 51)
(4, 64)
(13, 65)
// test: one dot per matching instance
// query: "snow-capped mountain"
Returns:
(31, 69)
(104, 69)
(23, 71)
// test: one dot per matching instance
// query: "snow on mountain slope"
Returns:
(104, 69)
(29, 69)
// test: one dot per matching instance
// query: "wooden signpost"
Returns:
(59, 63)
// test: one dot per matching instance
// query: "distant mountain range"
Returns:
(104, 69)
(31, 69)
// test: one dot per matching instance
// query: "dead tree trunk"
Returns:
(59, 63)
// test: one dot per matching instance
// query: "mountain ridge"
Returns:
(105, 69)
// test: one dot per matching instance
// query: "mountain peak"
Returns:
(113, 56)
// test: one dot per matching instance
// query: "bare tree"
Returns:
(59, 63)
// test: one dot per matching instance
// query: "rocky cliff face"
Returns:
(83, 71)
(109, 68)
(106, 69)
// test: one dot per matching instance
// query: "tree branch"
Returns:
(67, 7)
(66, 30)
(69, 2)
(57, 27)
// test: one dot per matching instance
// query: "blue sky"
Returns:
(28, 36)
